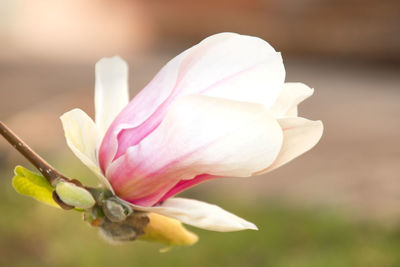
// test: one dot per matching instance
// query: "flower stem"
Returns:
(49, 172)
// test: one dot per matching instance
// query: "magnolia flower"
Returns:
(219, 109)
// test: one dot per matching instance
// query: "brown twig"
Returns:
(48, 171)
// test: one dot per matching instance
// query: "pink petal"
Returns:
(200, 135)
(226, 65)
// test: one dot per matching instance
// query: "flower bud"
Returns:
(74, 195)
(115, 211)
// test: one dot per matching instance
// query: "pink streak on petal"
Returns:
(128, 168)
(185, 184)
(147, 201)
(136, 113)
(131, 137)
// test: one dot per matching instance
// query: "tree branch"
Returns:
(48, 171)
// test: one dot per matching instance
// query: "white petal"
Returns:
(200, 214)
(240, 67)
(200, 135)
(82, 136)
(291, 95)
(111, 90)
(299, 136)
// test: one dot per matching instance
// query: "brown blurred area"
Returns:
(349, 29)
(349, 51)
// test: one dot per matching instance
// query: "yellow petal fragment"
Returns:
(168, 231)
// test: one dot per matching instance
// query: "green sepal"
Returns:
(33, 185)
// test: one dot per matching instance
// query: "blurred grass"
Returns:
(32, 234)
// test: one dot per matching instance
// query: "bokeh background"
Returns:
(337, 205)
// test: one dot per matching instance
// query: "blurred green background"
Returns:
(337, 205)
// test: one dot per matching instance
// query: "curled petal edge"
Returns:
(299, 136)
(291, 95)
(82, 135)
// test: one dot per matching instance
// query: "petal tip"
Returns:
(251, 226)
(111, 64)
(111, 60)
(65, 115)
(320, 126)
